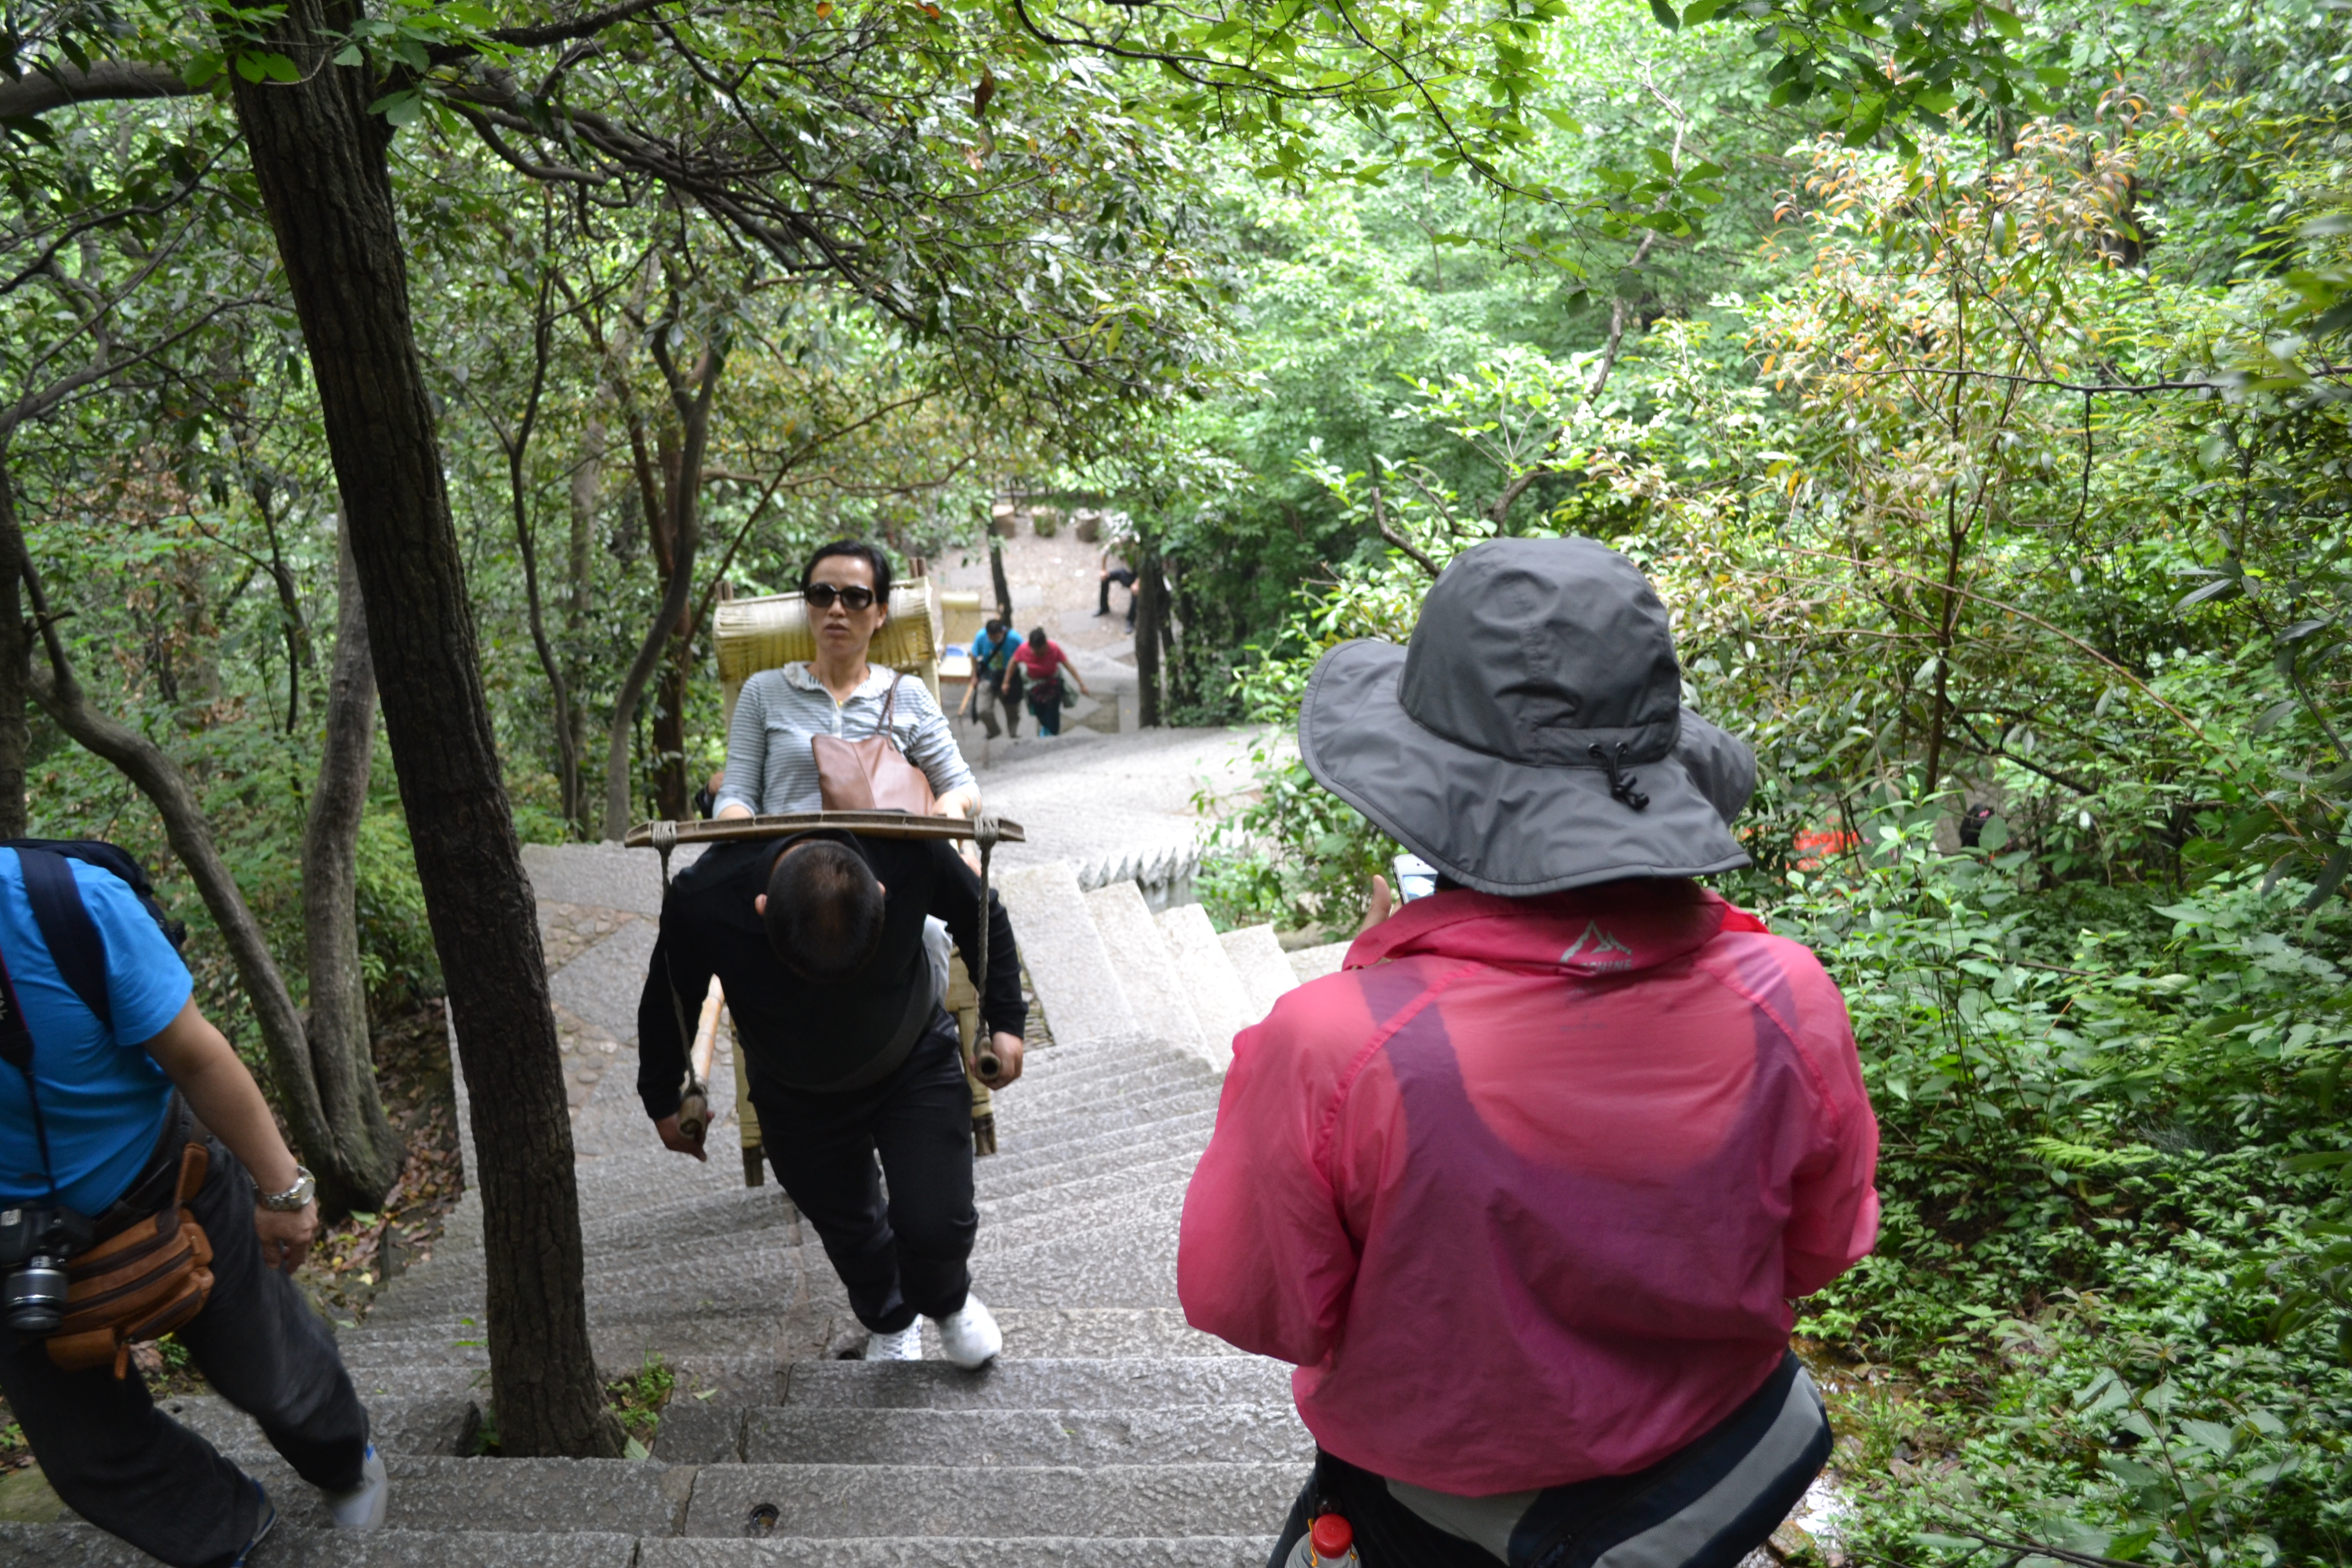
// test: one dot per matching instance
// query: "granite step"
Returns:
(397, 1423)
(1214, 989)
(1131, 1139)
(1244, 1433)
(562, 1497)
(1176, 1170)
(1146, 969)
(1311, 963)
(1264, 969)
(961, 1552)
(902, 1500)
(1068, 965)
(1138, 1383)
(78, 1545)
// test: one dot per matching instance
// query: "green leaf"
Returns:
(1667, 17)
(2005, 23)
(1701, 11)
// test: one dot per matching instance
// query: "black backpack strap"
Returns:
(78, 951)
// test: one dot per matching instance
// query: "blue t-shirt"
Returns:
(102, 1097)
(987, 653)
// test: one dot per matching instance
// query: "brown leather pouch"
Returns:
(870, 774)
(140, 1283)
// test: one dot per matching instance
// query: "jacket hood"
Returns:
(1619, 928)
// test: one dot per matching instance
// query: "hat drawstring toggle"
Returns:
(1621, 783)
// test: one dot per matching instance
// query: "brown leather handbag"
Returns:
(871, 774)
(140, 1283)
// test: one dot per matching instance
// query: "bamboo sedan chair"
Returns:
(764, 633)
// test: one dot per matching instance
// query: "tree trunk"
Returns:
(579, 580)
(1150, 613)
(693, 412)
(14, 650)
(318, 158)
(996, 574)
(342, 1058)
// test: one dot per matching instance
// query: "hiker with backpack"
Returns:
(1525, 1189)
(140, 1163)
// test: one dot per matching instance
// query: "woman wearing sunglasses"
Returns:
(769, 767)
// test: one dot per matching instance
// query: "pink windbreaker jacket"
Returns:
(1526, 1189)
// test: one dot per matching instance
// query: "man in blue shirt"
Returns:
(114, 1131)
(992, 657)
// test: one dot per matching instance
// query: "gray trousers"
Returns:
(128, 1469)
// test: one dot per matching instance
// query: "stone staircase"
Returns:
(1108, 1432)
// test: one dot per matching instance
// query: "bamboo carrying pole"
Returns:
(694, 1104)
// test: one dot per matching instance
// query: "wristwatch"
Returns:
(294, 1197)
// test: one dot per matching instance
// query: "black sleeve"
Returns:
(955, 898)
(675, 973)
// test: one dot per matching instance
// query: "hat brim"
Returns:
(1486, 822)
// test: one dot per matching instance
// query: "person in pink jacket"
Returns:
(1526, 1189)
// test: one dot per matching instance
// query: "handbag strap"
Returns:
(889, 708)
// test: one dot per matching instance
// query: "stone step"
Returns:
(1264, 967)
(1103, 1269)
(1134, 1133)
(1016, 1135)
(1311, 963)
(1089, 1439)
(1211, 983)
(1033, 1098)
(961, 1552)
(1155, 988)
(1175, 1169)
(397, 1423)
(294, 1546)
(564, 1496)
(1068, 966)
(1048, 1168)
(895, 1500)
(1137, 1208)
(1134, 1384)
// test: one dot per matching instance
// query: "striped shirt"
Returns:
(779, 709)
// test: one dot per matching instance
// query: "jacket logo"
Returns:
(1596, 948)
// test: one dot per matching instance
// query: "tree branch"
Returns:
(38, 91)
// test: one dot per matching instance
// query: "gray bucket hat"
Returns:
(1532, 737)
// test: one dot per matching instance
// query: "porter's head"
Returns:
(822, 911)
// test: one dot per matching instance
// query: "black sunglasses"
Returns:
(821, 596)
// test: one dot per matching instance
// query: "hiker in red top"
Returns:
(1042, 661)
(1525, 1189)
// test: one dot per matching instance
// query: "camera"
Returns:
(35, 1239)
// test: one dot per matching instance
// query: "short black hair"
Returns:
(824, 911)
(857, 549)
(1037, 639)
(995, 627)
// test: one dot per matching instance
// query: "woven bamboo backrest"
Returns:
(761, 633)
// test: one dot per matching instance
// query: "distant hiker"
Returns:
(1114, 568)
(1040, 662)
(769, 767)
(97, 1121)
(992, 657)
(819, 945)
(1525, 1191)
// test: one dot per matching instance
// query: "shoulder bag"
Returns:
(871, 774)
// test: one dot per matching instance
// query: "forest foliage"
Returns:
(1972, 379)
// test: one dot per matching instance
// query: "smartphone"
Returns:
(1415, 878)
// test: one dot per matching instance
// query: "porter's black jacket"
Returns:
(795, 1035)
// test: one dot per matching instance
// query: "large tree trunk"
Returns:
(341, 1059)
(14, 651)
(318, 158)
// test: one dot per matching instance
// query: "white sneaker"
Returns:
(907, 1344)
(969, 1335)
(364, 1507)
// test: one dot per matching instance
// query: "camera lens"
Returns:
(33, 1300)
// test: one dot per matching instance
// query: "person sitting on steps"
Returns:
(1525, 1191)
(819, 945)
